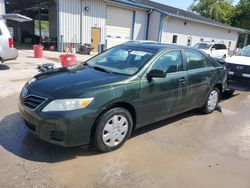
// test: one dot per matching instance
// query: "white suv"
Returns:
(7, 50)
(215, 50)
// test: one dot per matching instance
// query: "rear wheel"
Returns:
(212, 101)
(113, 128)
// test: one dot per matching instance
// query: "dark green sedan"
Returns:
(103, 100)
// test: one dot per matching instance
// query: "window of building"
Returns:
(196, 60)
(175, 37)
(170, 62)
(189, 41)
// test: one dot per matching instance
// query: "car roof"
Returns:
(155, 46)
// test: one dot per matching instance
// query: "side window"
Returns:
(216, 46)
(169, 62)
(196, 60)
(223, 47)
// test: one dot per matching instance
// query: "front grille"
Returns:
(32, 102)
(244, 69)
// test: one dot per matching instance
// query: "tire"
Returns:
(211, 101)
(113, 128)
(228, 93)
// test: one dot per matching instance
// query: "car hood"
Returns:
(72, 82)
(240, 60)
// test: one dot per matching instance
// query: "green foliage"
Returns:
(241, 18)
(219, 10)
(44, 25)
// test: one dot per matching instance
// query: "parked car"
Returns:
(238, 66)
(7, 50)
(127, 87)
(214, 50)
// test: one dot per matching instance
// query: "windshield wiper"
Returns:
(102, 69)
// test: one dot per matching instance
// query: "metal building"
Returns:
(112, 22)
(2, 7)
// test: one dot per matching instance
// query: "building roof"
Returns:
(183, 14)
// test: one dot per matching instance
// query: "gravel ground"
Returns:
(190, 150)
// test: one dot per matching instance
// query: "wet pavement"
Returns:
(189, 150)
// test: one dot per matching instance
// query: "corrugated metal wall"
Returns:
(69, 20)
(77, 17)
(2, 7)
(140, 25)
(95, 17)
(154, 23)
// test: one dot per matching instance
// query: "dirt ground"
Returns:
(190, 150)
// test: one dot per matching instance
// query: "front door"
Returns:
(163, 97)
(96, 37)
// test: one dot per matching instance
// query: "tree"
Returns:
(219, 10)
(241, 18)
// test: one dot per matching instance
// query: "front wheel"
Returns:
(211, 102)
(113, 128)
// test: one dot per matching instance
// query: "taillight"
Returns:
(11, 43)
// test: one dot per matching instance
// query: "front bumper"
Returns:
(238, 77)
(9, 54)
(66, 129)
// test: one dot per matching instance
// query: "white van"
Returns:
(7, 50)
(215, 50)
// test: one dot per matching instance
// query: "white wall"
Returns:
(69, 20)
(140, 25)
(96, 17)
(2, 7)
(71, 12)
(154, 22)
(173, 26)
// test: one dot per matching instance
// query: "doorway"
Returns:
(96, 37)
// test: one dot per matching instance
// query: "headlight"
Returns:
(67, 104)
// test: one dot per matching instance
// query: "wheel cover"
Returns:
(213, 100)
(115, 130)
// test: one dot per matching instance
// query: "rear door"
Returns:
(162, 97)
(200, 75)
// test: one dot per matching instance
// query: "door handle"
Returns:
(183, 79)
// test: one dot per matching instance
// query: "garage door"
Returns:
(119, 25)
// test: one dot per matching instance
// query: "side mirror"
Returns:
(156, 74)
(220, 61)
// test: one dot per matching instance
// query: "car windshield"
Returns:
(245, 51)
(202, 46)
(122, 60)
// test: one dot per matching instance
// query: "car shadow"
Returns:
(168, 121)
(16, 139)
(4, 67)
(239, 85)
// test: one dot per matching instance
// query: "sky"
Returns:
(183, 4)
